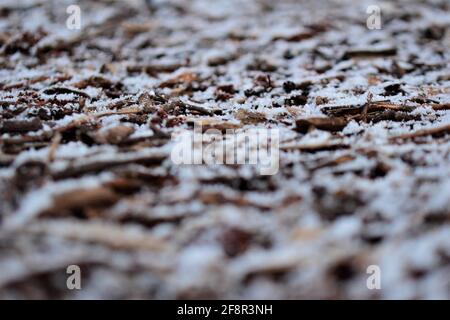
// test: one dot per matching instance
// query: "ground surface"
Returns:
(86, 177)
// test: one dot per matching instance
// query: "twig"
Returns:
(425, 132)
(367, 106)
(54, 146)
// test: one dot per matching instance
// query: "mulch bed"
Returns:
(87, 116)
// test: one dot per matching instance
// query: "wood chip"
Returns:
(108, 234)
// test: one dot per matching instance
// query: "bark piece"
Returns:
(108, 234)
(315, 147)
(17, 126)
(64, 90)
(94, 165)
(81, 198)
(250, 117)
(326, 124)
(438, 131)
(369, 54)
(114, 135)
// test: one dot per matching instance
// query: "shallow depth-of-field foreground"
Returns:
(91, 109)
